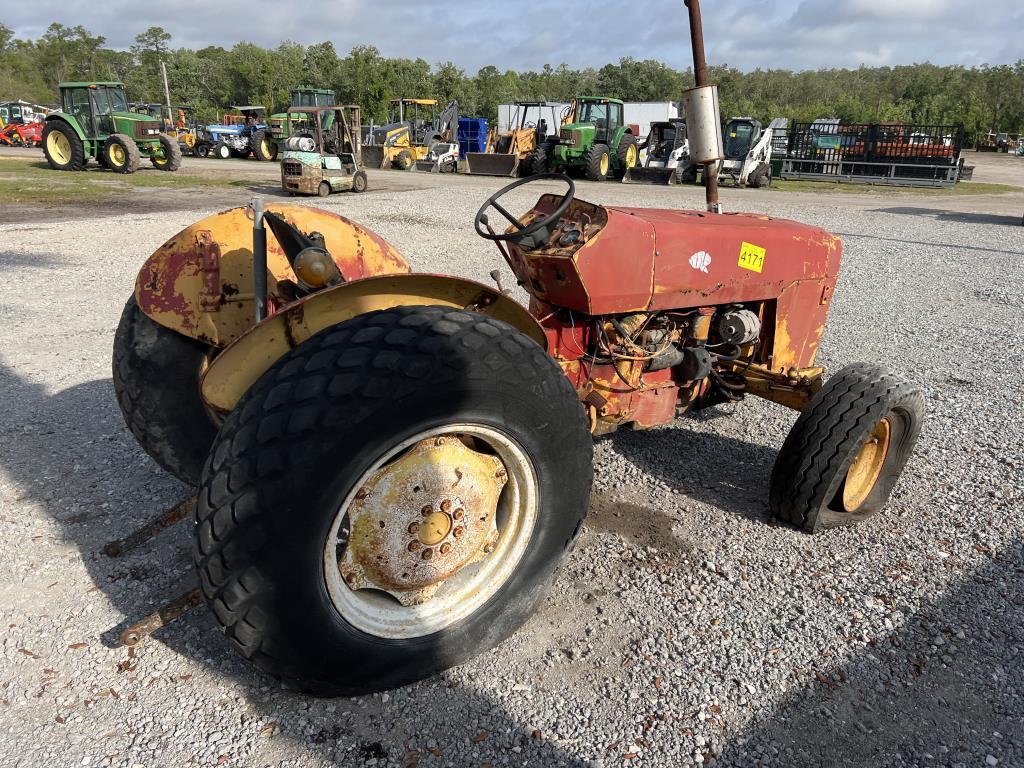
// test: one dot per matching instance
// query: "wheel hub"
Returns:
(866, 467)
(421, 519)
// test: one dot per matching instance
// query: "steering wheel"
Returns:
(522, 232)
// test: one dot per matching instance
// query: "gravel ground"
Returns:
(686, 629)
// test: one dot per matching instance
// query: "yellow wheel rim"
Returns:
(604, 164)
(866, 468)
(265, 147)
(59, 147)
(631, 156)
(159, 158)
(117, 155)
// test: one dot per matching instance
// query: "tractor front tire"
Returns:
(843, 456)
(537, 162)
(359, 183)
(222, 151)
(156, 381)
(120, 154)
(596, 162)
(263, 146)
(626, 155)
(171, 151)
(293, 459)
(63, 149)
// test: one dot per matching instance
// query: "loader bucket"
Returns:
(426, 166)
(373, 156)
(650, 176)
(492, 164)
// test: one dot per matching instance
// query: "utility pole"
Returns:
(167, 92)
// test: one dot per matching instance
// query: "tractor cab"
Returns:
(419, 114)
(102, 108)
(312, 97)
(602, 117)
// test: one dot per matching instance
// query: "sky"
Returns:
(791, 34)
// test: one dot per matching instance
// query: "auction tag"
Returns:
(752, 257)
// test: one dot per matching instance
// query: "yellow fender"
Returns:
(248, 357)
(199, 283)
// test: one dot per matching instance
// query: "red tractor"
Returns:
(391, 466)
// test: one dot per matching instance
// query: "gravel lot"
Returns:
(687, 628)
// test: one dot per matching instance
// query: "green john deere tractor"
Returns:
(95, 122)
(594, 139)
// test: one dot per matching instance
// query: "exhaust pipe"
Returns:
(703, 121)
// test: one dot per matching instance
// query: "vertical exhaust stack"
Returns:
(703, 122)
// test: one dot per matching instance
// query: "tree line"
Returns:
(213, 78)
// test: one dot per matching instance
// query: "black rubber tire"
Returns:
(222, 151)
(78, 159)
(403, 161)
(359, 182)
(324, 190)
(759, 178)
(810, 470)
(172, 151)
(621, 166)
(131, 153)
(156, 381)
(305, 433)
(592, 161)
(256, 142)
(538, 160)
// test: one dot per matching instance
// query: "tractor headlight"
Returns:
(315, 267)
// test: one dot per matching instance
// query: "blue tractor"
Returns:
(240, 135)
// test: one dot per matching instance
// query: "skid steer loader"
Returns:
(748, 153)
(668, 156)
(413, 128)
(511, 153)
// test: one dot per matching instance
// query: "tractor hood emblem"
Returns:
(701, 260)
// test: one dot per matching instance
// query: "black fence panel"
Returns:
(887, 153)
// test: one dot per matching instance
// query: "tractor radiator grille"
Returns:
(145, 130)
(292, 168)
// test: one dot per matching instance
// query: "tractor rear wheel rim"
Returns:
(866, 467)
(431, 531)
(604, 164)
(631, 156)
(59, 146)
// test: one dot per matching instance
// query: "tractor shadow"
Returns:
(70, 454)
(940, 689)
(956, 217)
(715, 469)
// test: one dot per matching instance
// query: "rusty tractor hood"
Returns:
(640, 259)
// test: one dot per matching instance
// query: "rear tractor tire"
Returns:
(263, 146)
(403, 487)
(156, 381)
(847, 449)
(537, 162)
(169, 158)
(63, 149)
(120, 154)
(626, 154)
(597, 162)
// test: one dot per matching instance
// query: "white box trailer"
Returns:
(639, 113)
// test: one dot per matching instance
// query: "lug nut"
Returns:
(458, 514)
(439, 441)
(428, 553)
(362, 493)
(413, 545)
(446, 548)
(414, 527)
(427, 510)
(458, 532)
(350, 578)
(446, 505)
(501, 473)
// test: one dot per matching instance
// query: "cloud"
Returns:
(804, 34)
